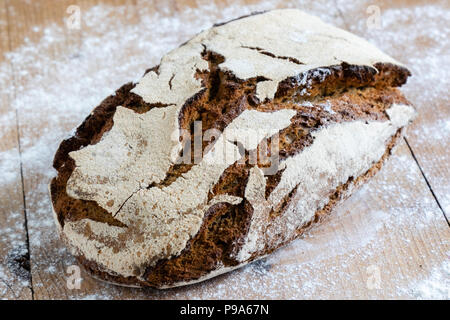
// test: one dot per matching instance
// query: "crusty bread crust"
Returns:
(349, 92)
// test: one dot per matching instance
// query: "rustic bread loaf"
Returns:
(230, 148)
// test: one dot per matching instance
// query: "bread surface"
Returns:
(229, 149)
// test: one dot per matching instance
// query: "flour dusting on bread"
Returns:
(160, 221)
(327, 97)
(339, 151)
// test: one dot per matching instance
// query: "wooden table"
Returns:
(390, 240)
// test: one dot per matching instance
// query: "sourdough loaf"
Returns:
(230, 148)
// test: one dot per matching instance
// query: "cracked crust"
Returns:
(238, 211)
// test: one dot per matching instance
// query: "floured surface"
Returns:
(393, 224)
(14, 276)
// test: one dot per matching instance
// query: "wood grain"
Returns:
(408, 238)
(14, 260)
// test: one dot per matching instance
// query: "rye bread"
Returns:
(229, 233)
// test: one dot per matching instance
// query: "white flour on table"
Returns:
(54, 93)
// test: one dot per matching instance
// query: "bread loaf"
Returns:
(229, 149)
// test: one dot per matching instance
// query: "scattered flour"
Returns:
(54, 93)
(435, 286)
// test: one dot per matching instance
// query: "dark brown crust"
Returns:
(353, 92)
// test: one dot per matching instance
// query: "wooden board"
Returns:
(14, 260)
(387, 241)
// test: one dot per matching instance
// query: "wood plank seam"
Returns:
(427, 182)
(27, 237)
